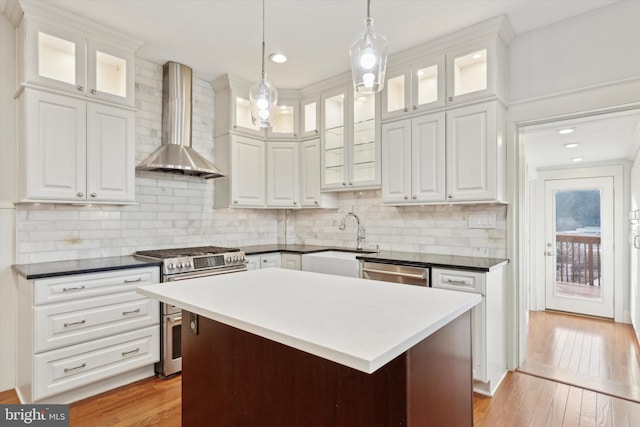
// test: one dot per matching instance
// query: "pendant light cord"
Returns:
(368, 8)
(263, 48)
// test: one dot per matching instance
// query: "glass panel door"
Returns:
(334, 140)
(579, 247)
(364, 138)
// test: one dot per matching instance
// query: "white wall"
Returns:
(7, 212)
(591, 49)
(634, 281)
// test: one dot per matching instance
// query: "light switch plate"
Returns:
(482, 221)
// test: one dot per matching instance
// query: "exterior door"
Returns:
(579, 245)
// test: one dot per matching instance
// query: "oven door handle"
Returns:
(174, 319)
(203, 274)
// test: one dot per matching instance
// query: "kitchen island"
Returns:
(278, 347)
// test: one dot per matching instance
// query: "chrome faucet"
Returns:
(361, 232)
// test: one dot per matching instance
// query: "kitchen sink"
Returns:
(339, 263)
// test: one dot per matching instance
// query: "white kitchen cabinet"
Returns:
(350, 140)
(476, 153)
(283, 174)
(255, 262)
(310, 194)
(74, 151)
(291, 261)
(58, 51)
(457, 156)
(488, 321)
(413, 160)
(310, 117)
(414, 88)
(248, 165)
(83, 334)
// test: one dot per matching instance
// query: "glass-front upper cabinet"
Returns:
(414, 88)
(334, 154)
(472, 73)
(286, 122)
(310, 117)
(350, 142)
(63, 59)
(364, 148)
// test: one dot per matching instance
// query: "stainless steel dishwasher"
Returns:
(405, 274)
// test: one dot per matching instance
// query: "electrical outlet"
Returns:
(482, 221)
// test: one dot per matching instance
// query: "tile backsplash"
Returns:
(174, 211)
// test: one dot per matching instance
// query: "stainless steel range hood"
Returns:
(176, 155)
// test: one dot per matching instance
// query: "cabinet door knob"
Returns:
(344, 183)
(93, 91)
(406, 197)
(351, 183)
(450, 98)
(235, 202)
(80, 88)
(80, 194)
(93, 195)
(450, 196)
(414, 108)
(315, 203)
(414, 197)
(406, 109)
(316, 131)
(295, 203)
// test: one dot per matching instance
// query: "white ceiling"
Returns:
(600, 138)
(215, 37)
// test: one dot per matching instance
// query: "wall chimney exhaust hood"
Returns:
(176, 155)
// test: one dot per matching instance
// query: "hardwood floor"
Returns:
(596, 354)
(566, 346)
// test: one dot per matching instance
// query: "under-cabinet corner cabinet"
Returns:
(74, 151)
(454, 156)
(350, 140)
(83, 334)
(77, 57)
(473, 72)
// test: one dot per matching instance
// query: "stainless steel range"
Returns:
(181, 264)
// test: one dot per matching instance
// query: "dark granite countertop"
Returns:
(388, 257)
(80, 266)
(435, 260)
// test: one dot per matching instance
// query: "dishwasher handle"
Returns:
(423, 276)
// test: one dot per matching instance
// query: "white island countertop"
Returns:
(359, 323)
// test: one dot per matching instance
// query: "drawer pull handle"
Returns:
(457, 282)
(75, 368)
(137, 310)
(75, 288)
(82, 322)
(135, 350)
(139, 279)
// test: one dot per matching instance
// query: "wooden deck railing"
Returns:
(578, 258)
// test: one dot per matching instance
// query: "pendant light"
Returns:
(368, 58)
(262, 96)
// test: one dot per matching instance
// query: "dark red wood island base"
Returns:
(232, 378)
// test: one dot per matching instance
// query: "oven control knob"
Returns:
(179, 265)
(235, 259)
(228, 260)
(187, 264)
(170, 266)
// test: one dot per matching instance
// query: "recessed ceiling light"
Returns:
(278, 58)
(577, 159)
(566, 131)
(361, 98)
(571, 144)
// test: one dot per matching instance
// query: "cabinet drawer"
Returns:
(89, 285)
(73, 322)
(458, 280)
(70, 367)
